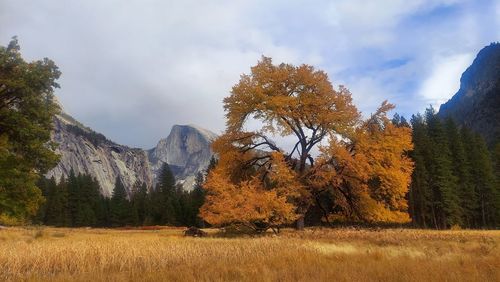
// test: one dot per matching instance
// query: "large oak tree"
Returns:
(350, 168)
(26, 113)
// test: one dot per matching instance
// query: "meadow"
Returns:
(344, 254)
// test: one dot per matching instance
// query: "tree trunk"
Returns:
(434, 217)
(300, 223)
(483, 214)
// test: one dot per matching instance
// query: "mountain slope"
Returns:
(186, 149)
(85, 151)
(477, 102)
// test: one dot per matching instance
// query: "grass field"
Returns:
(61, 254)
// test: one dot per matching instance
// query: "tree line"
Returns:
(428, 173)
(77, 201)
(456, 180)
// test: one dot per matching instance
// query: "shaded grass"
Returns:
(310, 255)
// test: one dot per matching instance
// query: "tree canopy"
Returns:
(454, 183)
(26, 112)
(358, 165)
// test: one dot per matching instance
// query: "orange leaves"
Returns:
(237, 192)
(386, 150)
(374, 167)
(283, 179)
(363, 169)
(277, 95)
(246, 202)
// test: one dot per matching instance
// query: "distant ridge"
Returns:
(186, 149)
(477, 102)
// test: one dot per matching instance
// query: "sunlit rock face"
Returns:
(85, 151)
(477, 102)
(186, 150)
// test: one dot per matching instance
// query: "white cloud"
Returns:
(145, 64)
(131, 69)
(374, 23)
(444, 79)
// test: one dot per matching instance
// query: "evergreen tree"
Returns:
(140, 203)
(89, 200)
(73, 202)
(73, 198)
(198, 198)
(420, 195)
(44, 185)
(154, 198)
(454, 180)
(484, 180)
(399, 121)
(63, 193)
(496, 163)
(119, 206)
(167, 202)
(446, 208)
(461, 173)
(102, 212)
(496, 158)
(56, 205)
(185, 215)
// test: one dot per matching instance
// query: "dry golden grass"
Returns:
(311, 255)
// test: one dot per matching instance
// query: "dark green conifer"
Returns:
(140, 204)
(461, 172)
(447, 210)
(119, 207)
(168, 201)
(484, 180)
(419, 196)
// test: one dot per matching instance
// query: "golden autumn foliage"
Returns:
(358, 165)
(371, 173)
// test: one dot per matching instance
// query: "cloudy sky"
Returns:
(132, 69)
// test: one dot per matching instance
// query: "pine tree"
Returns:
(119, 207)
(484, 180)
(89, 197)
(399, 121)
(155, 208)
(73, 202)
(56, 205)
(496, 158)
(496, 163)
(461, 173)
(139, 202)
(167, 202)
(447, 211)
(420, 194)
(65, 219)
(44, 185)
(103, 212)
(198, 197)
(73, 198)
(185, 216)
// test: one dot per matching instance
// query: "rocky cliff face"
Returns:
(477, 102)
(186, 150)
(85, 151)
